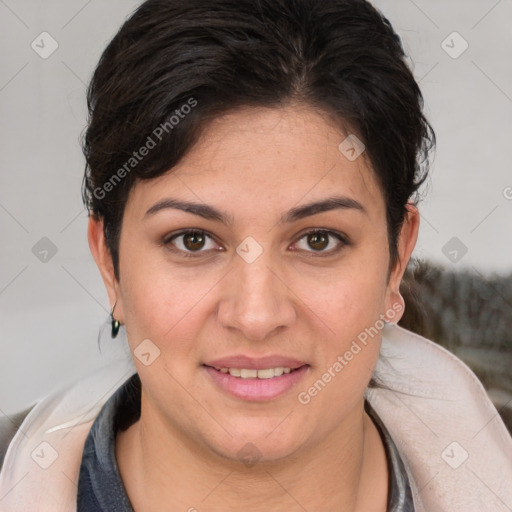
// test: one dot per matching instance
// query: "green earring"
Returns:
(115, 323)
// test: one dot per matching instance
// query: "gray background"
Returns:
(51, 311)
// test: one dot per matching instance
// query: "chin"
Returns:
(256, 445)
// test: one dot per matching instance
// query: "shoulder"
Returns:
(440, 417)
(9, 425)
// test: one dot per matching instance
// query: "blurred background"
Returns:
(53, 307)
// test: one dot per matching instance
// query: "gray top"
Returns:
(100, 487)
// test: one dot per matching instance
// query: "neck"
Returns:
(163, 468)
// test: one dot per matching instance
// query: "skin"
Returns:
(254, 165)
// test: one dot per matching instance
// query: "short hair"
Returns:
(175, 65)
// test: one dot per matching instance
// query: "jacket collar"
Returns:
(455, 447)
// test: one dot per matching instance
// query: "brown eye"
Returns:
(190, 242)
(322, 242)
(194, 241)
(318, 241)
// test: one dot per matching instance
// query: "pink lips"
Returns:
(256, 389)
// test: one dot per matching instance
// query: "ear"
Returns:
(406, 243)
(103, 258)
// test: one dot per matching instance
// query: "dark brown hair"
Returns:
(176, 64)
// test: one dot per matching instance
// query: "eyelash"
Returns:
(167, 241)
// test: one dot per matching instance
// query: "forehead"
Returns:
(253, 156)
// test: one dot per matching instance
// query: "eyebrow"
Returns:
(293, 215)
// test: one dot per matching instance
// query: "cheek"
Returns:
(148, 296)
(355, 321)
(159, 304)
(167, 305)
(348, 299)
(351, 308)
(348, 351)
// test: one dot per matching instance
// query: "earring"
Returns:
(115, 323)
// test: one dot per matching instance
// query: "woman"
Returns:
(252, 168)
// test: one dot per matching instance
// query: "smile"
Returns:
(251, 373)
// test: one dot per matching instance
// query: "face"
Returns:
(253, 276)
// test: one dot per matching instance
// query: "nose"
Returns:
(256, 301)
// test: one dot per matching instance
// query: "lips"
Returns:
(256, 389)
(255, 363)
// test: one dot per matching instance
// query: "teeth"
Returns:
(246, 373)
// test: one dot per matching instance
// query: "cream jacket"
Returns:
(455, 447)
